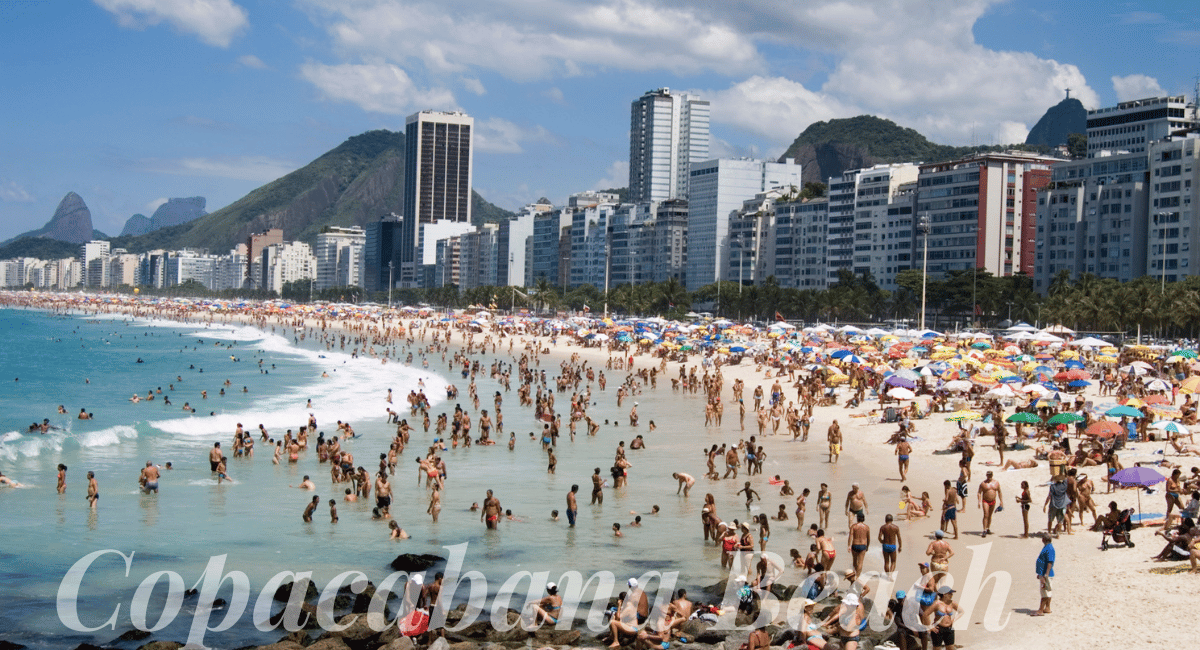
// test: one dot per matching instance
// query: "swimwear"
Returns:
(939, 566)
(858, 548)
(889, 548)
(213, 465)
(989, 503)
(951, 514)
(831, 554)
(942, 636)
(903, 456)
(151, 485)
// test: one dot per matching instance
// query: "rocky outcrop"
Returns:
(138, 224)
(177, 211)
(1064, 118)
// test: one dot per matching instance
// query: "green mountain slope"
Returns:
(827, 149)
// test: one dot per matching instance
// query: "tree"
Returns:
(813, 190)
(1077, 146)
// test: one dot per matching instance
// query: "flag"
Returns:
(586, 308)
(518, 292)
(779, 317)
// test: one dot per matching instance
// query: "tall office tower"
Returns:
(719, 187)
(668, 133)
(381, 254)
(438, 163)
(1131, 126)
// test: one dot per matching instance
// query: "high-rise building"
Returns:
(857, 205)
(1131, 126)
(718, 187)
(93, 257)
(254, 245)
(982, 212)
(284, 263)
(668, 133)
(1174, 187)
(382, 253)
(1091, 218)
(438, 164)
(801, 241)
(340, 257)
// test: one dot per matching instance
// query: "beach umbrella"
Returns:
(1105, 429)
(1011, 379)
(1002, 391)
(1065, 418)
(1186, 354)
(1074, 364)
(1079, 383)
(1123, 411)
(1157, 399)
(853, 358)
(1157, 384)
(902, 382)
(963, 416)
(838, 354)
(1170, 427)
(1137, 476)
(957, 385)
(1024, 417)
(981, 345)
(1190, 385)
(901, 393)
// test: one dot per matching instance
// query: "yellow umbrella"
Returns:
(962, 416)
(1190, 385)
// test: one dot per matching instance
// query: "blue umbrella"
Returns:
(737, 348)
(1011, 379)
(852, 358)
(1079, 383)
(919, 349)
(1074, 364)
(838, 354)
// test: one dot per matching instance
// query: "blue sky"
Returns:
(128, 102)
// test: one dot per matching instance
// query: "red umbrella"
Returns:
(1104, 429)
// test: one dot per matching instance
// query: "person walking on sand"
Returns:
(859, 541)
(990, 497)
(835, 441)
(903, 450)
(891, 542)
(1044, 566)
(949, 508)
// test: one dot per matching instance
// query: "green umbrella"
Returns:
(1186, 354)
(1065, 418)
(1123, 411)
(1025, 417)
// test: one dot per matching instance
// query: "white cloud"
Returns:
(474, 85)
(1136, 86)
(375, 87)
(259, 169)
(154, 205)
(536, 40)
(11, 192)
(496, 135)
(775, 108)
(555, 95)
(251, 61)
(216, 22)
(616, 176)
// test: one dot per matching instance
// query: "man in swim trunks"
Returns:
(859, 541)
(214, 457)
(856, 504)
(889, 538)
(685, 482)
(835, 441)
(383, 494)
(989, 497)
(93, 490)
(149, 478)
(903, 449)
(572, 505)
(949, 508)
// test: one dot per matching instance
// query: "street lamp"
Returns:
(1160, 217)
(923, 228)
(390, 268)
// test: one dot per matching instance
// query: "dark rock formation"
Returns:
(177, 212)
(138, 224)
(284, 592)
(131, 635)
(1064, 118)
(415, 562)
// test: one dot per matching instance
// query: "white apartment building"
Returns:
(284, 263)
(1174, 184)
(668, 133)
(93, 257)
(340, 257)
(718, 187)
(123, 269)
(1131, 126)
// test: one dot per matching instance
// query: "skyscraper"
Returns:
(667, 134)
(437, 179)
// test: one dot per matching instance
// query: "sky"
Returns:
(129, 102)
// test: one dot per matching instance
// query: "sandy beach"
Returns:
(1090, 585)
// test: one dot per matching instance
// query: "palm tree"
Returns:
(545, 293)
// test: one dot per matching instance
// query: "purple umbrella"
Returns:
(1137, 476)
(903, 382)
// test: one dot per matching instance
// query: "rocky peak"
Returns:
(72, 221)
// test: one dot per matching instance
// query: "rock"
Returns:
(439, 643)
(284, 592)
(403, 643)
(161, 645)
(783, 592)
(138, 224)
(551, 636)
(415, 562)
(72, 221)
(131, 635)
(282, 645)
(358, 636)
(87, 646)
(710, 636)
(299, 636)
(693, 628)
(9, 645)
(310, 623)
(332, 643)
(176, 212)
(219, 603)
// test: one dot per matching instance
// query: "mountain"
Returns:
(483, 212)
(138, 224)
(72, 222)
(827, 149)
(1064, 118)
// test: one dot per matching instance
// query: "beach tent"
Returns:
(1058, 329)
(1090, 342)
(1022, 327)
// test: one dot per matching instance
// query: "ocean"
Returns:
(91, 362)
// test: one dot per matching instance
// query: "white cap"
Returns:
(633, 583)
(850, 599)
(418, 579)
(550, 586)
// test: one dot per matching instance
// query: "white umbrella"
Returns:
(1058, 329)
(1035, 389)
(957, 385)
(1046, 337)
(779, 325)
(901, 393)
(1173, 427)
(1157, 384)
(1090, 342)
(1000, 392)
(1022, 327)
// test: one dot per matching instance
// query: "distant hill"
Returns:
(483, 212)
(1061, 120)
(174, 212)
(827, 149)
(71, 222)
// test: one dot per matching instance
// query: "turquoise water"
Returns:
(90, 362)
